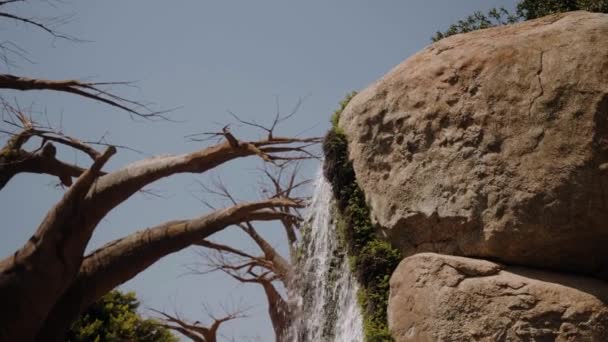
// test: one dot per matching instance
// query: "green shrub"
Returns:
(337, 168)
(478, 21)
(377, 259)
(335, 117)
(114, 317)
(372, 260)
(526, 10)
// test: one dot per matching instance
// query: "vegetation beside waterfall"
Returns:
(371, 259)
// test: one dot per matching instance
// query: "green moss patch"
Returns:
(372, 260)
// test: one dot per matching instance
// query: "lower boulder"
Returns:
(437, 297)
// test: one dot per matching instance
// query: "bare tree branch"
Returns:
(8, 49)
(34, 23)
(5, 2)
(14, 159)
(69, 227)
(196, 331)
(223, 248)
(122, 259)
(89, 90)
(278, 118)
(270, 266)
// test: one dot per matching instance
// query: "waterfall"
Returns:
(326, 290)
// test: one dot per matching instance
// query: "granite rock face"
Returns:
(493, 144)
(446, 298)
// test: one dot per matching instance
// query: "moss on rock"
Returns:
(372, 260)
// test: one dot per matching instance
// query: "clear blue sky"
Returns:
(205, 57)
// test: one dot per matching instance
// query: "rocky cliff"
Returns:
(493, 145)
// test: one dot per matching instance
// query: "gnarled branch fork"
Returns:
(50, 262)
(196, 331)
(14, 159)
(49, 280)
(122, 259)
(264, 269)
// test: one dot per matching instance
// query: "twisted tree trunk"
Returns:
(35, 277)
(122, 259)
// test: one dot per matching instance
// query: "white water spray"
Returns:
(326, 289)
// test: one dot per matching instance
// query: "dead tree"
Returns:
(49, 280)
(269, 269)
(196, 331)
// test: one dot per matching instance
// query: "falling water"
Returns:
(326, 289)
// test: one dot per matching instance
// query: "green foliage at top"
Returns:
(372, 260)
(336, 115)
(531, 9)
(114, 318)
(478, 21)
(526, 10)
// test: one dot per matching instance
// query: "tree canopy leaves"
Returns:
(478, 21)
(114, 318)
(526, 10)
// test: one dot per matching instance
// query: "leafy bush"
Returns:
(114, 318)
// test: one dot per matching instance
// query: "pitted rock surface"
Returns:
(493, 144)
(446, 298)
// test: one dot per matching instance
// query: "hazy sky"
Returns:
(205, 57)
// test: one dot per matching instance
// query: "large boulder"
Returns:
(445, 298)
(493, 144)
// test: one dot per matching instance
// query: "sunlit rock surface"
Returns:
(445, 298)
(493, 144)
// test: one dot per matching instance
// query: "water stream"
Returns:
(326, 292)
